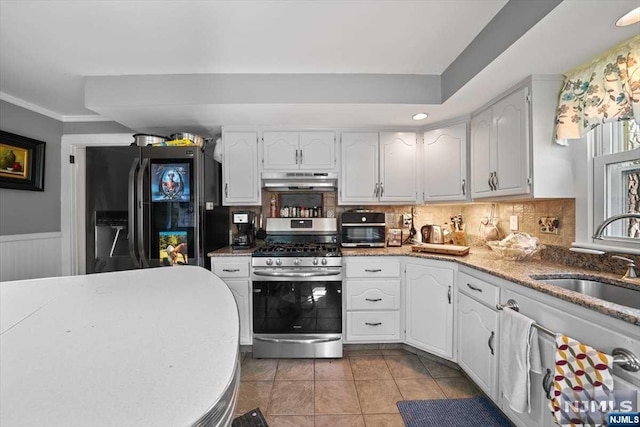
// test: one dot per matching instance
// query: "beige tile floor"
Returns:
(359, 390)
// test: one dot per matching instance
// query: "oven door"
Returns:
(297, 307)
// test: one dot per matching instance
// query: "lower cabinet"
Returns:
(429, 294)
(478, 343)
(234, 271)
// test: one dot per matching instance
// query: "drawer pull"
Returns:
(373, 270)
(231, 270)
(490, 342)
(473, 288)
(373, 324)
(449, 294)
(373, 299)
(547, 383)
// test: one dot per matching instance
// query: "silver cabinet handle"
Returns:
(490, 181)
(231, 270)
(381, 189)
(373, 270)
(495, 180)
(373, 299)
(490, 342)
(464, 182)
(226, 189)
(375, 191)
(547, 383)
(373, 324)
(473, 288)
(301, 158)
(296, 157)
(449, 294)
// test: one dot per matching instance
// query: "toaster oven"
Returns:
(360, 229)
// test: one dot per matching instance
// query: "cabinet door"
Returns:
(280, 151)
(481, 152)
(445, 163)
(317, 151)
(429, 308)
(398, 167)
(511, 134)
(240, 169)
(240, 291)
(359, 169)
(478, 343)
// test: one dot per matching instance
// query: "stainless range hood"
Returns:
(300, 181)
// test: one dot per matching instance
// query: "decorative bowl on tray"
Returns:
(516, 247)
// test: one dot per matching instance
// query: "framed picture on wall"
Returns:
(21, 162)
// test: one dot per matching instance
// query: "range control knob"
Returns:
(324, 261)
(278, 261)
(296, 261)
(269, 261)
(315, 261)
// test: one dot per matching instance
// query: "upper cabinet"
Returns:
(513, 152)
(241, 182)
(290, 151)
(378, 168)
(444, 176)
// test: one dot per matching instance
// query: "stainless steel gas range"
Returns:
(297, 290)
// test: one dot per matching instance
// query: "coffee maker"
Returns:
(246, 236)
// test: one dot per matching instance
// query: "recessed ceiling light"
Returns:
(629, 18)
(420, 116)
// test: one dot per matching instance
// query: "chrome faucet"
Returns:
(600, 229)
(631, 268)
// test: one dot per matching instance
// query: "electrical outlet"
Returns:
(549, 224)
(406, 220)
(513, 222)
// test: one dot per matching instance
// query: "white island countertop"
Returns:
(155, 347)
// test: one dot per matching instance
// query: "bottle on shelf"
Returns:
(273, 211)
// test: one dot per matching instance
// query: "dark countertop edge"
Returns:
(518, 272)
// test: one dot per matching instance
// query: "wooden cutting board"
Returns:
(441, 249)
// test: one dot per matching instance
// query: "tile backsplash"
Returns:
(529, 214)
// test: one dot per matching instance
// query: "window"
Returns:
(616, 181)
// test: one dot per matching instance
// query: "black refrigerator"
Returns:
(152, 207)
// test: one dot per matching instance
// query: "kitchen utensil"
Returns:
(488, 227)
(432, 234)
(261, 233)
(143, 139)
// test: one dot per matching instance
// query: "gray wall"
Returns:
(21, 211)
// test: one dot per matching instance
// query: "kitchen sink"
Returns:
(602, 290)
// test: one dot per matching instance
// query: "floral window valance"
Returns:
(605, 90)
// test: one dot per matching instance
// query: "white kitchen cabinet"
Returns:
(290, 151)
(444, 175)
(513, 152)
(429, 297)
(378, 168)
(241, 180)
(372, 295)
(234, 271)
(478, 343)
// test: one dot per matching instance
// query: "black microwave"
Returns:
(362, 229)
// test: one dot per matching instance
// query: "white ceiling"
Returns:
(48, 47)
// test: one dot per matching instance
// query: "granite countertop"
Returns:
(483, 259)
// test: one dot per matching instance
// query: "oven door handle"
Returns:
(297, 341)
(297, 273)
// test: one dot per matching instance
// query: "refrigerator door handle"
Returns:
(132, 213)
(140, 208)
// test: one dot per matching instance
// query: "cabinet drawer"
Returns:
(373, 294)
(231, 269)
(373, 325)
(373, 269)
(479, 290)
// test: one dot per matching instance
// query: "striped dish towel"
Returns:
(582, 385)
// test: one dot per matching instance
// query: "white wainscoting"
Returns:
(29, 256)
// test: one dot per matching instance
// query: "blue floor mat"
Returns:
(476, 411)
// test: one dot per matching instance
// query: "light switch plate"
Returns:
(513, 222)
(208, 206)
